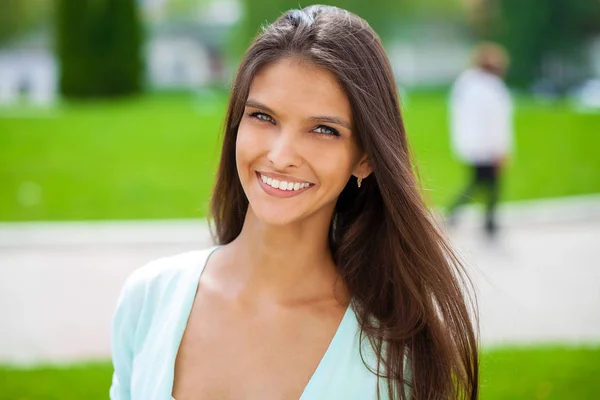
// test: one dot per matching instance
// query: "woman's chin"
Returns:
(275, 216)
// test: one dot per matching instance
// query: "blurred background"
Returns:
(110, 116)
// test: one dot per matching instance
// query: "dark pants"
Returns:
(484, 177)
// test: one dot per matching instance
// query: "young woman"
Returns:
(330, 280)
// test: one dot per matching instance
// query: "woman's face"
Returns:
(295, 147)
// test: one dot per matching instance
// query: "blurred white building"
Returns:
(429, 54)
(28, 72)
(177, 62)
(187, 51)
(182, 56)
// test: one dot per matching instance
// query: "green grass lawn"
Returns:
(155, 157)
(536, 373)
(540, 373)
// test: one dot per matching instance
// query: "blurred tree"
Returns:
(179, 8)
(11, 16)
(18, 16)
(545, 39)
(99, 47)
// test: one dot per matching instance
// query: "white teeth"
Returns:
(283, 185)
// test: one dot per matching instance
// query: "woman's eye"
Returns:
(325, 130)
(261, 116)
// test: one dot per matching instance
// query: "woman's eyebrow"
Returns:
(256, 104)
(332, 120)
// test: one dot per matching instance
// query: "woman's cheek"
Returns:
(244, 141)
(249, 134)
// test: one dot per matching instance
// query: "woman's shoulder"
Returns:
(166, 269)
(162, 276)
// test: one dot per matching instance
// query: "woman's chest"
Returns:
(230, 354)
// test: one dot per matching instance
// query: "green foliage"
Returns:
(17, 16)
(518, 373)
(183, 8)
(155, 157)
(533, 31)
(99, 47)
(11, 19)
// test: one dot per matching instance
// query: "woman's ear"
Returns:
(363, 168)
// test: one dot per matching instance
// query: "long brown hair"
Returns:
(406, 284)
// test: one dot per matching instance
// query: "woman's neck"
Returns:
(286, 264)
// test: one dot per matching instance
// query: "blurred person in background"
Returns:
(481, 115)
(329, 279)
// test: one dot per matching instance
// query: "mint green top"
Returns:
(151, 317)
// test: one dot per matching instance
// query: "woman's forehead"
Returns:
(289, 85)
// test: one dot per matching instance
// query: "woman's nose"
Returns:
(283, 152)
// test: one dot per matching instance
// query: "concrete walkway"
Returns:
(59, 282)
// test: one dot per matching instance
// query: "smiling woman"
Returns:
(329, 279)
(284, 137)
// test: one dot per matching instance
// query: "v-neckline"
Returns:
(328, 353)
(185, 316)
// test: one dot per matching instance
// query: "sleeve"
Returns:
(124, 323)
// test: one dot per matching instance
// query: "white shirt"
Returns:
(481, 117)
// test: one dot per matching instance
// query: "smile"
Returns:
(283, 185)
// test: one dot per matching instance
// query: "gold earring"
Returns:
(359, 181)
